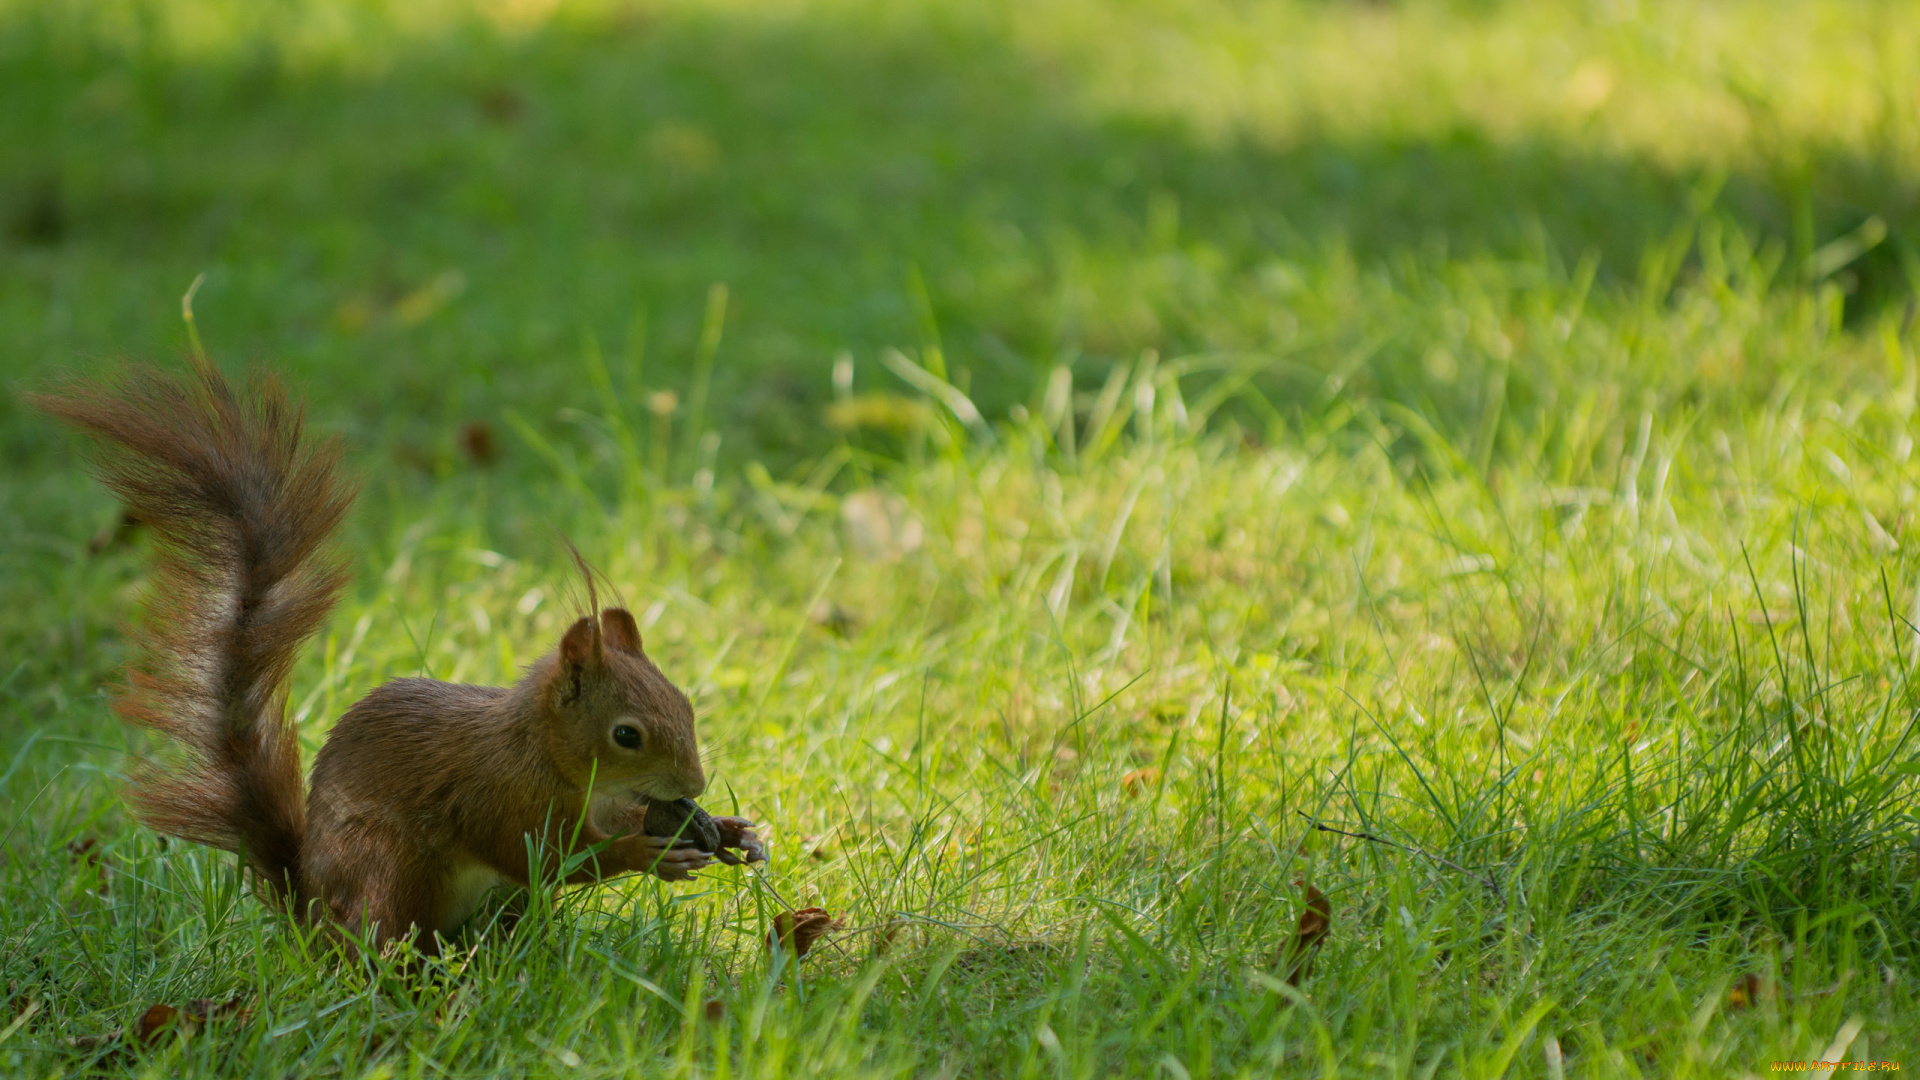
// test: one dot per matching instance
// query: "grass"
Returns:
(1065, 451)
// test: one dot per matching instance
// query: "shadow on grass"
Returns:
(430, 243)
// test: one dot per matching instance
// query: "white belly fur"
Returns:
(472, 881)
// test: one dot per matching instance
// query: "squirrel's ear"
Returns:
(620, 631)
(580, 646)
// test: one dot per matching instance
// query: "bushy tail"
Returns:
(240, 510)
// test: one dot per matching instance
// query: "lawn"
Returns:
(1105, 472)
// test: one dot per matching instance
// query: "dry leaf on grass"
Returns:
(161, 1018)
(85, 853)
(198, 1013)
(1750, 990)
(797, 931)
(21, 1011)
(500, 104)
(478, 444)
(1136, 783)
(155, 1020)
(1316, 922)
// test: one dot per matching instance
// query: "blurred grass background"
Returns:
(1057, 445)
(387, 196)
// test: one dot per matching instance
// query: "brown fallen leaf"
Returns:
(478, 443)
(884, 937)
(1316, 922)
(161, 1018)
(798, 930)
(153, 1022)
(500, 104)
(1750, 990)
(20, 1010)
(85, 853)
(1136, 783)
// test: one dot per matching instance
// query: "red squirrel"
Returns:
(425, 794)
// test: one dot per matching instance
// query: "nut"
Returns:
(683, 818)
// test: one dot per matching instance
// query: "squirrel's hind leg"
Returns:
(385, 891)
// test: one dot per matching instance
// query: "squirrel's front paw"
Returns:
(737, 833)
(663, 857)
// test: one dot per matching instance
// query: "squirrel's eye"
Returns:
(628, 736)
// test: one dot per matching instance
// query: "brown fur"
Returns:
(425, 792)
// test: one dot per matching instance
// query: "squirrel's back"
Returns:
(240, 507)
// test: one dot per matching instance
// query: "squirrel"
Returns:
(425, 794)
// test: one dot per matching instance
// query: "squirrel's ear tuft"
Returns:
(620, 631)
(580, 646)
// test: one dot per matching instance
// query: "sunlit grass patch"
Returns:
(1048, 730)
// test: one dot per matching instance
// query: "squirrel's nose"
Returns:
(695, 783)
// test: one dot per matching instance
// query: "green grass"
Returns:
(1483, 426)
